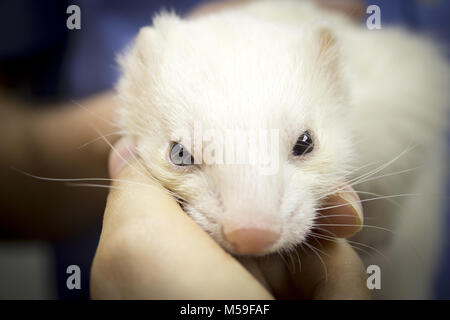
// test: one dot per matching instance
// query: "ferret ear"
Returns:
(149, 39)
(165, 20)
(141, 56)
(146, 44)
(328, 47)
(328, 56)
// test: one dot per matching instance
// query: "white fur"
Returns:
(365, 95)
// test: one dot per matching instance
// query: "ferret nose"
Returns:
(250, 240)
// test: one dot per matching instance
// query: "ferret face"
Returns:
(243, 120)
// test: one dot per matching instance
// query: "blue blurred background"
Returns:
(53, 63)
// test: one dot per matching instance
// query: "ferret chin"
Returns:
(351, 109)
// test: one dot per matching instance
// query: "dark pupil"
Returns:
(303, 145)
(179, 156)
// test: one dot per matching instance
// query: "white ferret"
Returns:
(347, 104)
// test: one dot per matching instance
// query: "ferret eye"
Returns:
(303, 145)
(180, 156)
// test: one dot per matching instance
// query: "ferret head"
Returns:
(243, 120)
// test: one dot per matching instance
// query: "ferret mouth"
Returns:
(181, 204)
(239, 244)
(215, 230)
(276, 247)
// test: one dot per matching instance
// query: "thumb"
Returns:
(122, 153)
(342, 215)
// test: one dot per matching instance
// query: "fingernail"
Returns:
(123, 153)
(350, 196)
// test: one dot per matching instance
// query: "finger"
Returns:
(342, 274)
(150, 249)
(120, 156)
(343, 214)
(331, 270)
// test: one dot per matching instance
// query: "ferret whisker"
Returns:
(381, 167)
(319, 243)
(335, 240)
(294, 260)
(371, 199)
(118, 133)
(94, 185)
(289, 252)
(352, 225)
(340, 188)
(364, 177)
(319, 250)
(369, 247)
(118, 153)
(333, 235)
(281, 254)
(73, 181)
(366, 193)
(103, 137)
(299, 261)
(371, 193)
(345, 191)
(322, 216)
(386, 175)
(320, 258)
(351, 242)
(292, 264)
(81, 179)
(333, 215)
(362, 167)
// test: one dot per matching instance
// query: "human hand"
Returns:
(150, 249)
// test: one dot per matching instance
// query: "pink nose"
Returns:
(250, 240)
